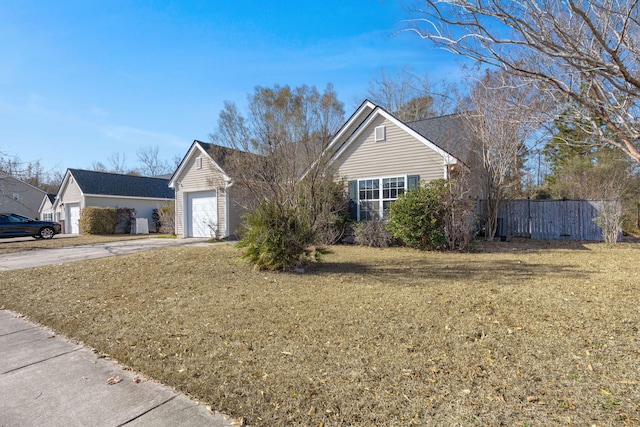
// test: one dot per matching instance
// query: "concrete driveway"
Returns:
(37, 258)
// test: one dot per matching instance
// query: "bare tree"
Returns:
(584, 53)
(281, 139)
(151, 163)
(409, 96)
(503, 115)
(117, 163)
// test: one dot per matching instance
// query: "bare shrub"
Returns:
(460, 213)
(373, 233)
(610, 220)
(167, 219)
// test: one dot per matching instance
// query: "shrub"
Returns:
(98, 220)
(166, 218)
(276, 238)
(610, 220)
(460, 212)
(372, 233)
(123, 220)
(417, 217)
(332, 216)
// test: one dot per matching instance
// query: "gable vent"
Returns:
(381, 133)
(199, 162)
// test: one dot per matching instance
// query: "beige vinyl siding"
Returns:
(28, 200)
(239, 200)
(399, 154)
(70, 194)
(193, 179)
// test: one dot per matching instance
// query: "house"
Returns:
(207, 203)
(82, 188)
(381, 157)
(46, 207)
(18, 197)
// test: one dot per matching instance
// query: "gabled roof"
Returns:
(365, 114)
(51, 198)
(21, 182)
(218, 155)
(119, 185)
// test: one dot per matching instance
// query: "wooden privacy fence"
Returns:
(551, 219)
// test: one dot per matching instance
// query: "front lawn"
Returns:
(521, 333)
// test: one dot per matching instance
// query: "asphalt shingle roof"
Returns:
(451, 133)
(113, 184)
(220, 154)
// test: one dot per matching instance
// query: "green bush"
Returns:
(98, 220)
(372, 233)
(275, 238)
(417, 217)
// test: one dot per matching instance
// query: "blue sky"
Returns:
(81, 80)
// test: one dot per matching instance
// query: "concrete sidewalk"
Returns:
(38, 258)
(48, 380)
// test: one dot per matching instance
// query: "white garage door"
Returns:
(73, 226)
(202, 216)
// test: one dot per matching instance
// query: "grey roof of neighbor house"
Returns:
(452, 133)
(113, 184)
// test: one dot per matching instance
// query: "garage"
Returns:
(202, 215)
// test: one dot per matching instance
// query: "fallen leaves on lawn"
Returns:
(114, 380)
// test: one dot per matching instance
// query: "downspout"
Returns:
(228, 184)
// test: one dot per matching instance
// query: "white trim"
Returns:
(110, 196)
(226, 212)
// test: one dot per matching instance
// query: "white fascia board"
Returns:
(110, 196)
(365, 105)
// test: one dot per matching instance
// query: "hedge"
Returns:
(98, 220)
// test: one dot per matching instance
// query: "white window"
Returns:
(16, 197)
(376, 195)
(381, 133)
(199, 162)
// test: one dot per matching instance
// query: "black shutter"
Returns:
(353, 200)
(413, 181)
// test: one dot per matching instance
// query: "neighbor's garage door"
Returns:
(202, 215)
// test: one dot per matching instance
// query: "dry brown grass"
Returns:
(521, 333)
(64, 240)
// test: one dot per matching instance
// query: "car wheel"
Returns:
(46, 233)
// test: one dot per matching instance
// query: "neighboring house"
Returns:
(19, 197)
(82, 188)
(207, 203)
(46, 207)
(381, 157)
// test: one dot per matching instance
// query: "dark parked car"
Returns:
(13, 225)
